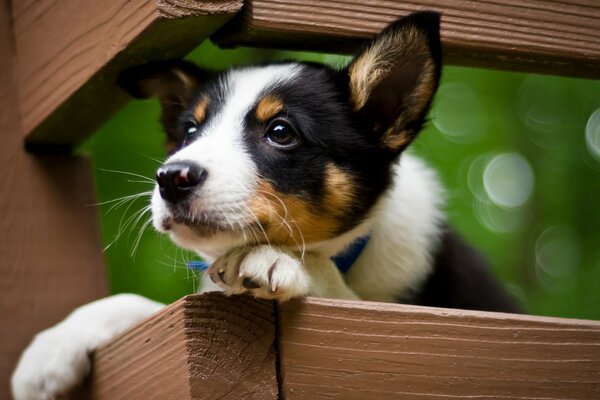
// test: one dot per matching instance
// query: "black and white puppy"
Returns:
(282, 173)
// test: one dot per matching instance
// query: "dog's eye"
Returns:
(280, 134)
(190, 132)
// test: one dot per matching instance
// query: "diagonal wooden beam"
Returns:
(69, 53)
(547, 36)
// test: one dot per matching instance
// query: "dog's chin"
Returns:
(208, 237)
(204, 229)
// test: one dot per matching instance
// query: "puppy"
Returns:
(292, 178)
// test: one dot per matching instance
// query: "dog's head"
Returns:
(287, 153)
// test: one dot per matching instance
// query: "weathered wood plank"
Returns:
(70, 52)
(360, 350)
(547, 36)
(201, 347)
(50, 249)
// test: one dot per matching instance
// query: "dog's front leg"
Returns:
(58, 359)
(270, 272)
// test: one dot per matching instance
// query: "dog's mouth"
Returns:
(206, 224)
(202, 227)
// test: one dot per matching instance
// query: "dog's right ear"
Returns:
(175, 83)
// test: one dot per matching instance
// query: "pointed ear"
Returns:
(175, 83)
(394, 78)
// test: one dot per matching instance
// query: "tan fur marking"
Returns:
(366, 71)
(394, 140)
(170, 146)
(200, 110)
(188, 82)
(290, 220)
(268, 107)
(395, 137)
(383, 55)
(340, 190)
(364, 74)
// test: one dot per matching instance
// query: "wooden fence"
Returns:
(216, 347)
(58, 64)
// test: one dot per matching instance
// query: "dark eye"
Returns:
(190, 131)
(280, 134)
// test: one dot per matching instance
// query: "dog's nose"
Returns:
(177, 180)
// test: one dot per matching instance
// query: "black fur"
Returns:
(461, 279)
(159, 80)
(317, 106)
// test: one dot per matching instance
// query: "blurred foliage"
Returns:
(519, 154)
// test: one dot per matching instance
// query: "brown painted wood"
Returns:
(70, 52)
(547, 36)
(50, 247)
(211, 346)
(363, 350)
(201, 347)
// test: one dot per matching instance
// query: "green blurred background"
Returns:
(518, 153)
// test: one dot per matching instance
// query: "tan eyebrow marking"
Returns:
(200, 110)
(268, 107)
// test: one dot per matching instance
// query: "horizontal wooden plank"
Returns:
(362, 350)
(201, 347)
(547, 36)
(212, 346)
(69, 53)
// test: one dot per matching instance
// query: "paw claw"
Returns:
(268, 272)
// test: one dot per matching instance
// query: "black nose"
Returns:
(177, 180)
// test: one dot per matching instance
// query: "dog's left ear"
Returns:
(174, 83)
(393, 79)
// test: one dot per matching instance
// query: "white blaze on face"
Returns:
(231, 173)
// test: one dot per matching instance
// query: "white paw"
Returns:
(58, 359)
(266, 272)
(51, 367)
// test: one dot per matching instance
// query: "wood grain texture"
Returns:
(361, 350)
(547, 36)
(50, 247)
(201, 347)
(211, 346)
(69, 53)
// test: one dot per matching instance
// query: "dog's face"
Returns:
(290, 154)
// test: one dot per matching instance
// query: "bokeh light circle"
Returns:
(508, 180)
(592, 134)
(498, 219)
(474, 177)
(543, 109)
(557, 254)
(458, 114)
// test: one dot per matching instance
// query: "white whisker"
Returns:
(114, 171)
(139, 237)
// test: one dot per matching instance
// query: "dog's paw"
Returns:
(51, 367)
(58, 359)
(264, 271)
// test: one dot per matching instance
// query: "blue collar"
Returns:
(346, 258)
(343, 260)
